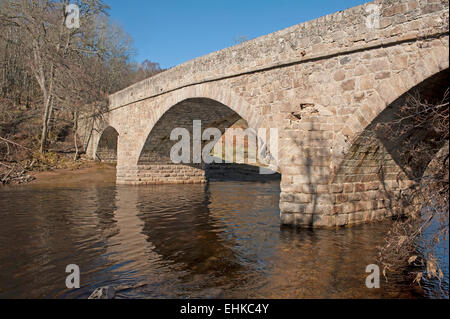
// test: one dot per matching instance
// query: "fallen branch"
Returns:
(14, 143)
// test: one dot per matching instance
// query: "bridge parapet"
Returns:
(335, 34)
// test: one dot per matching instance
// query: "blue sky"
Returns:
(171, 32)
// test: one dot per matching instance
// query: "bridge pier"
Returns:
(344, 204)
(339, 187)
(160, 174)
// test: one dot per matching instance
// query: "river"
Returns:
(220, 240)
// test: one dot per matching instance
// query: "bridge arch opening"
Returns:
(155, 156)
(393, 152)
(107, 146)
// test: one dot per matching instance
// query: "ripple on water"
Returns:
(182, 241)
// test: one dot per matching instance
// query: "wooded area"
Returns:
(52, 75)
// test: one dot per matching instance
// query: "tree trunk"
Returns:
(75, 130)
(89, 136)
(44, 135)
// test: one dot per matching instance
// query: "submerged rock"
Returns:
(103, 293)
(109, 292)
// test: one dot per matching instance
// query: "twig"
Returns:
(7, 166)
(5, 178)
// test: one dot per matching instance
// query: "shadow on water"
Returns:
(331, 263)
(184, 232)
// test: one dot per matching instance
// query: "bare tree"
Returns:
(47, 42)
(62, 75)
(423, 128)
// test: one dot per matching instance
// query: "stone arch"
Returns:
(433, 62)
(155, 154)
(218, 92)
(211, 113)
(107, 145)
(206, 103)
(372, 146)
(375, 177)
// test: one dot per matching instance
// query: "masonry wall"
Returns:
(161, 174)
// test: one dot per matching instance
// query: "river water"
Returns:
(221, 240)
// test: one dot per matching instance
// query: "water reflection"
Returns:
(179, 241)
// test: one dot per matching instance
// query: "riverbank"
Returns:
(83, 171)
(90, 173)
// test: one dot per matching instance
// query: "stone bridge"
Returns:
(324, 84)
